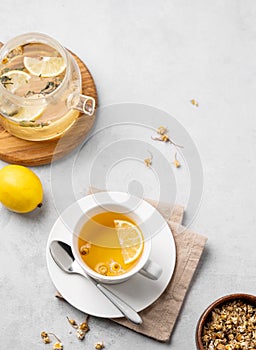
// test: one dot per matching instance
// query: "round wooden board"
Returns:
(32, 153)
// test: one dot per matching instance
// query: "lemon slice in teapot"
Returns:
(14, 79)
(45, 66)
(27, 114)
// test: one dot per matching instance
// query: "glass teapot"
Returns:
(40, 88)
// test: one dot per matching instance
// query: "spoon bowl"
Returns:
(63, 257)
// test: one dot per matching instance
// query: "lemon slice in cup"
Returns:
(15, 79)
(45, 67)
(130, 239)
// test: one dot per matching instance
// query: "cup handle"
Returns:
(83, 103)
(151, 270)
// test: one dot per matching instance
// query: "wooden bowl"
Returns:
(250, 299)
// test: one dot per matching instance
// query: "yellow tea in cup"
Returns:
(110, 243)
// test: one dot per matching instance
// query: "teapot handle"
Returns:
(83, 103)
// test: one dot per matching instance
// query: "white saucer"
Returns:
(138, 291)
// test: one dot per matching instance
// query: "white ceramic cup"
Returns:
(123, 203)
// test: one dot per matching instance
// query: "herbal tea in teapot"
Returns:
(40, 85)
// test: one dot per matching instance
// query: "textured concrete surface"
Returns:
(163, 54)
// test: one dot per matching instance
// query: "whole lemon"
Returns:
(20, 189)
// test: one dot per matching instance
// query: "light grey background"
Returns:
(161, 53)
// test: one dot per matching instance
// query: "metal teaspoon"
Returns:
(64, 258)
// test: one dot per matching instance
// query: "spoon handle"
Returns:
(124, 308)
(63, 257)
(120, 304)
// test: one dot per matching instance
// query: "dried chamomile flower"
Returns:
(45, 338)
(44, 334)
(165, 138)
(80, 334)
(231, 326)
(81, 329)
(58, 346)
(176, 162)
(101, 268)
(115, 267)
(162, 130)
(85, 249)
(194, 102)
(99, 345)
(72, 322)
(148, 161)
(84, 326)
(5, 60)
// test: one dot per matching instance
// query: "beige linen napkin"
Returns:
(160, 317)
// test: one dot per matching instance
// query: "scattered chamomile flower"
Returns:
(57, 346)
(176, 162)
(45, 338)
(80, 334)
(81, 329)
(194, 102)
(72, 322)
(164, 137)
(99, 345)
(148, 161)
(162, 130)
(84, 326)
